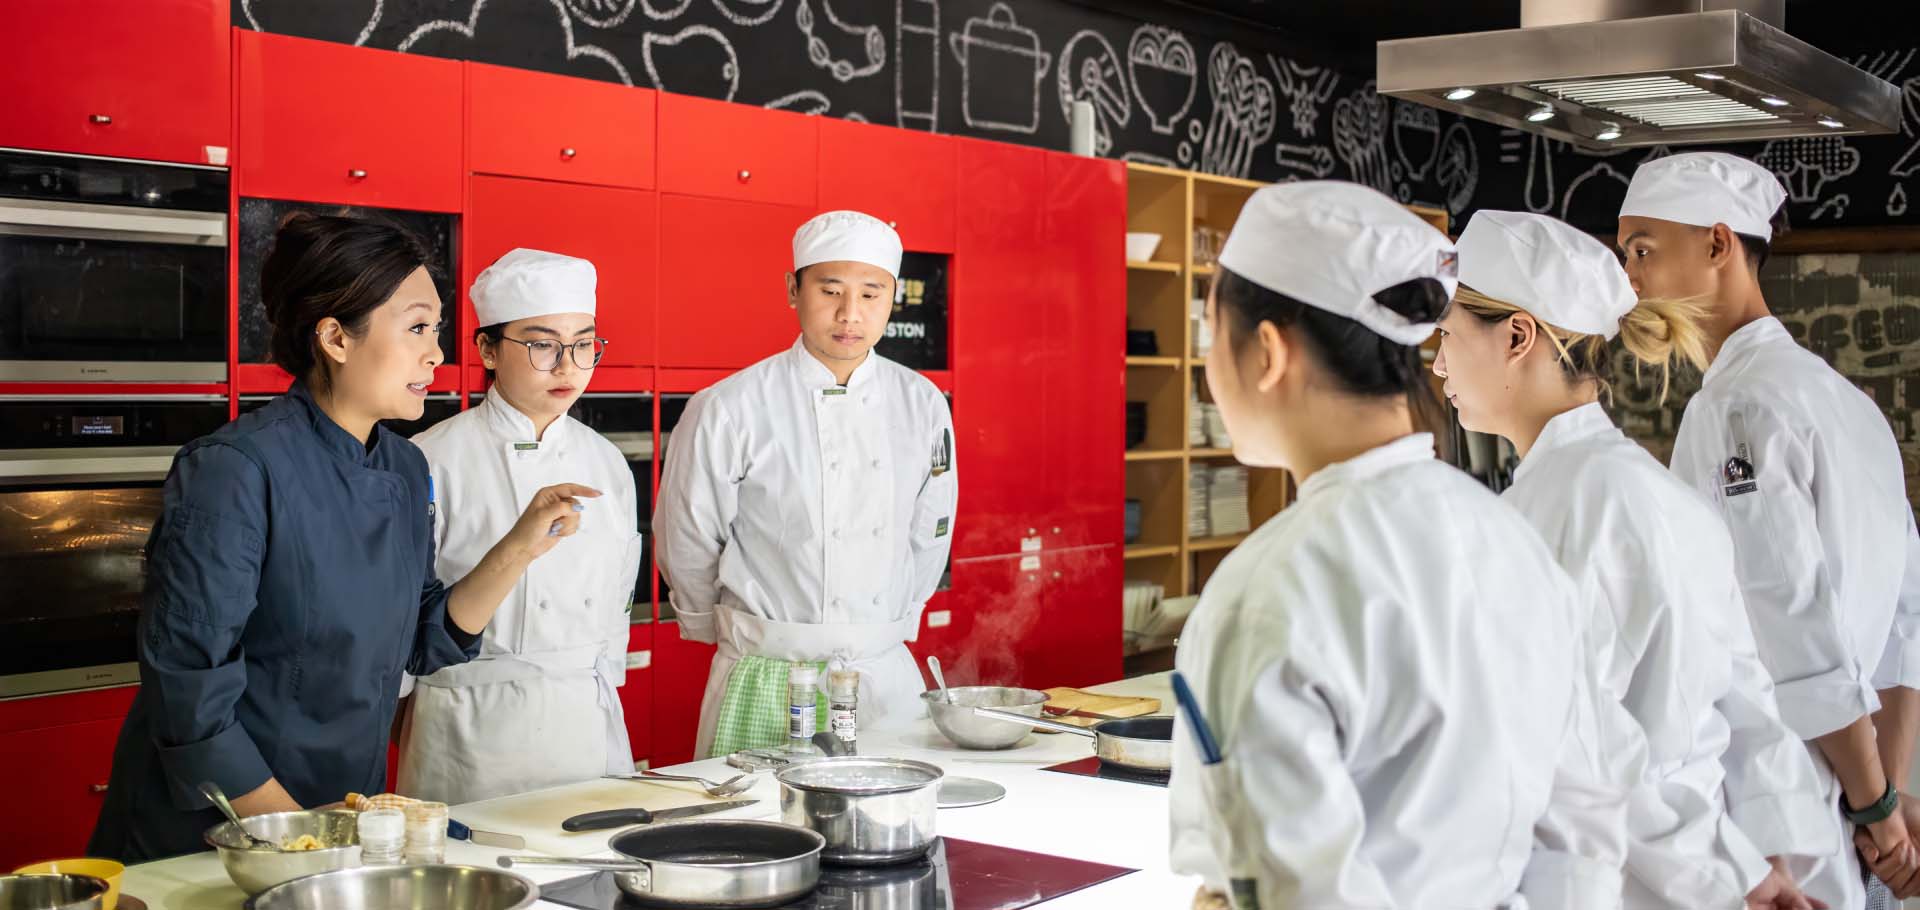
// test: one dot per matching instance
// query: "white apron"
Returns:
(539, 706)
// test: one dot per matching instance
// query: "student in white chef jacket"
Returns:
(1804, 470)
(1526, 351)
(537, 708)
(807, 502)
(1393, 666)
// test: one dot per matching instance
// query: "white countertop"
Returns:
(1111, 822)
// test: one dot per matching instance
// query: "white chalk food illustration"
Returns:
(1360, 137)
(1245, 108)
(1835, 208)
(1909, 161)
(869, 37)
(1315, 161)
(916, 64)
(574, 51)
(602, 13)
(748, 12)
(1601, 189)
(664, 10)
(1457, 168)
(1897, 201)
(340, 22)
(993, 45)
(1164, 72)
(1090, 71)
(1541, 192)
(808, 101)
(1807, 165)
(1416, 138)
(1305, 88)
(697, 60)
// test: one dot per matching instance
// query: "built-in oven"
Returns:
(111, 270)
(626, 420)
(80, 490)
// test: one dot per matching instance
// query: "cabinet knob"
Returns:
(1056, 530)
(97, 788)
(745, 175)
(567, 154)
(1056, 575)
(356, 173)
(101, 119)
(1032, 531)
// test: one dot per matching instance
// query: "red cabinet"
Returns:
(679, 680)
(723, 293)
(998, 408)
(903, 177)
(56, 783)
(1083, 336)
(616, 229)
(322, 122)
(1079, 642)
(122, 78)
(997, 603)
(528, 124)
(732, 151)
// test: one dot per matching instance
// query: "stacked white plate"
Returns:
(1197, 421)
(1141, 605)
(1198, 523)
(1217, 429)
(1227, 501)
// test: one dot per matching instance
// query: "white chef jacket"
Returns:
(800, 519)
(1727, 784)
(1394, 669)
(1821, 534)
(537, 708)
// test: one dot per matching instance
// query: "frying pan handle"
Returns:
(636, 867)
(1035, 722)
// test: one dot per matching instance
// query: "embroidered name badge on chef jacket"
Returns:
(836, 390)
(526, 446)
(942, 454)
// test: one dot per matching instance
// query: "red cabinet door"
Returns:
(902, 177)
(732, 151)
(636, 696)
(723, 293)
(997, 601)
(1079, 642)
(679, 681)
(527, 124)
(997, 353)
(942, 641)
(1083, 330)
(124, 78)
(322, 122)
(57, 780)
(616, 229)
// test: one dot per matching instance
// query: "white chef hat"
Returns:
(846, 237)
(1333, 245)
(1547, 267)
(1705, 189)
(526, 283)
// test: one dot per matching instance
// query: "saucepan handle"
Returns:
(1036, 722)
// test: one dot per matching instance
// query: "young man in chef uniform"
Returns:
(1806, 473)
(1394, 667)
(807, 502)
(537, 708)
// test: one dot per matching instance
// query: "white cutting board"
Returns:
(537, 816)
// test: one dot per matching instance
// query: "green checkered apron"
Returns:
(753, 710)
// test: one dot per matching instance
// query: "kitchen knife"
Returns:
(621, 818)
(458, 831)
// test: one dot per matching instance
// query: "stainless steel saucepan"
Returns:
(1140, 744)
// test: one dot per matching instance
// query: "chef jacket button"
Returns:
(866, 399)
(833, 466)
(837, 602)
(836, 533)
(876, 462)
(876, 600)
(543, 605)
(589, 601)
(876, 532)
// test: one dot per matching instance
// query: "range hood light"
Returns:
(1608, 132)
(1715, 77)
(1771, 101)
(1460, 94)
(1830, 123)
(1541, 114)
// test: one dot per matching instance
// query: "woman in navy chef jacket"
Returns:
(290, 578)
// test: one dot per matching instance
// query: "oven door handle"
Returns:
(38, 218)
(92, 468)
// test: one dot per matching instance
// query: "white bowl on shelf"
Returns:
(1140, 247)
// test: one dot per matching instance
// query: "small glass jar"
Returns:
(803, 701)
(383, 837)
(426, 833)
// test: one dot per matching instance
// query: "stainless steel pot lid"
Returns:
(861, 776)
(961, 792)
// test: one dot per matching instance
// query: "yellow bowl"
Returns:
(104, 869)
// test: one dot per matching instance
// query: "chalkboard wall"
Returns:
(1259, 106)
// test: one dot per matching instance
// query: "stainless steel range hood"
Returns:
(1610, 73)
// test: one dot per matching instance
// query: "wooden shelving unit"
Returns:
(1172, 203)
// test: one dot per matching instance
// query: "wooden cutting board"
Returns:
(1086, 709)
(537, 816)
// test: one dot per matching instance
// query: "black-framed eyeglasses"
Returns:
(545, 355)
